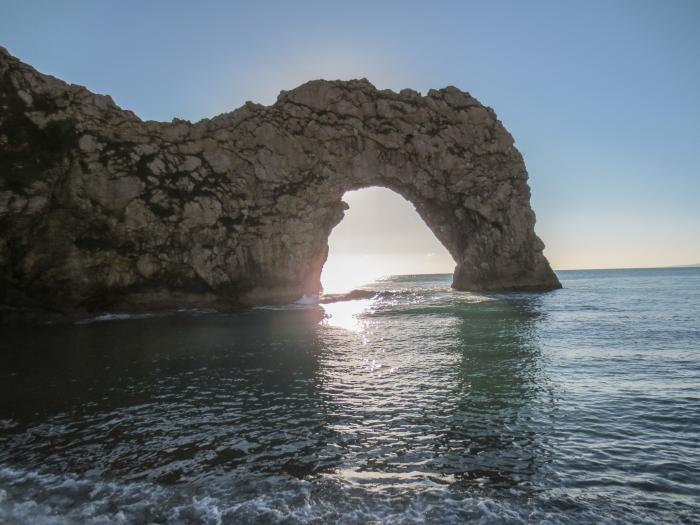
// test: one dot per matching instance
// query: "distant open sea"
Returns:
(422, 404)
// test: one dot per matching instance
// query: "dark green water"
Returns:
(421, 405)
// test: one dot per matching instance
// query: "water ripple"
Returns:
(421, 404)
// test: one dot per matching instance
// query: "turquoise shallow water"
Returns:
(420, 405)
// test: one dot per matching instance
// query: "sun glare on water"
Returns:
(346, 314)
(344, 273)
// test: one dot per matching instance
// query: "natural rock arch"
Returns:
(99, 209)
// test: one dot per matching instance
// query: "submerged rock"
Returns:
(353, 295)
(99, 209)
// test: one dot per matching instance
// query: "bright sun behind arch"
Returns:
(380, 235)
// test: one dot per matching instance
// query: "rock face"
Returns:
(100, 210)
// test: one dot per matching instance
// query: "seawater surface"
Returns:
(422, 404)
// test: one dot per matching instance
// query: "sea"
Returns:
(420, 404)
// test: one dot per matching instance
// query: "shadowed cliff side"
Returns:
(101, 210)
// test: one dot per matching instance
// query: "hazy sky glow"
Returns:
(601, 96)
(381, 234)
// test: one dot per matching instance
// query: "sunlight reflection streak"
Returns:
(346, 314)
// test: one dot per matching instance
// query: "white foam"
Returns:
(30, 497)
(308, 299)
(116, 316)
(289, 306)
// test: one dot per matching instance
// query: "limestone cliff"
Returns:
(101, 210)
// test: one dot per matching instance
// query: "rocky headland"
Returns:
(100, 210)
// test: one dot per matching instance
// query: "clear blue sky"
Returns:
(602, 97)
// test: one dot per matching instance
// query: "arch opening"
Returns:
(381, 234)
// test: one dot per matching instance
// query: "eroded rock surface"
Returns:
(101, 210)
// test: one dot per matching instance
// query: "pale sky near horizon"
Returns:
(602, 97)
